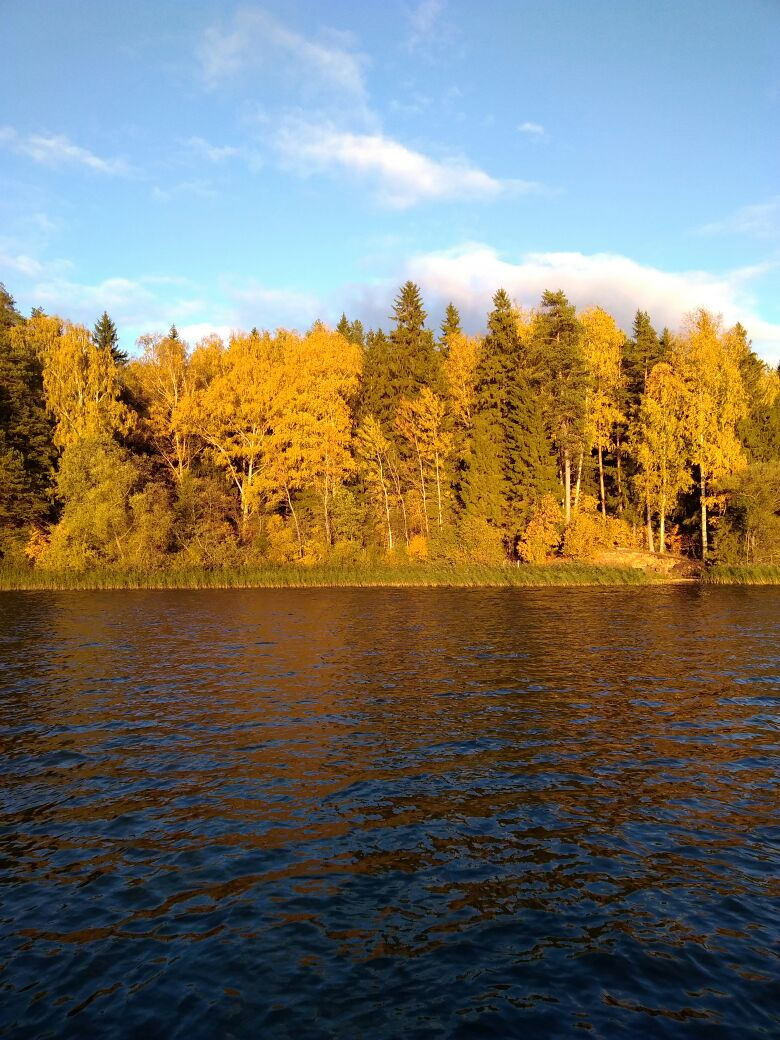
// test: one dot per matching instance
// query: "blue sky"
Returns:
(223, 166)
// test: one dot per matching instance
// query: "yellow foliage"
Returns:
(589, 533)
(37, 545)
(542, 536)
(418, 547)
(82, 388)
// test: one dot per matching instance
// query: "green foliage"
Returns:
(509, 465)
(26, 449)
(564, 377)
(346, 453)
(95, 481)
(749, 531)
(107, 338)
(450, 327)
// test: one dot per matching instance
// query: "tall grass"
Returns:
(323, 575)
(760, 574)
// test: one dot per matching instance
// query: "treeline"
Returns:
(554, 434)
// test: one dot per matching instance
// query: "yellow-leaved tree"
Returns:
(313, 433)
(232, 404)
(658, 437)
(421, 422)
(602, 343)
(162, 380)
(82, 387)
(707, 361)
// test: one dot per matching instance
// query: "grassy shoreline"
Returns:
(366, 576)
(323, 576)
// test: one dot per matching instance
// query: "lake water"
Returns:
(390, 813)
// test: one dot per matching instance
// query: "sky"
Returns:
(221, 166)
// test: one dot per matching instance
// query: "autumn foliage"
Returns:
(554, 435)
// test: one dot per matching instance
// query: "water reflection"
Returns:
(413, 812)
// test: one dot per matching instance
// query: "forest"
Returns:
(552, 436)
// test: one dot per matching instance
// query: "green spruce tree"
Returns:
(563, 382)
(107, 338)
(510, 464)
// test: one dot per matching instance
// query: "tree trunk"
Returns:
(567, 487)
(703, 492)
(422, 489)
(662, 525)
(601, 482)
(579, 482)
(387, 508)
(618, 457)
(650, 546)
(438, 488)
(295, 519)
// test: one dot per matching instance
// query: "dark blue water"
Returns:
(397, 813)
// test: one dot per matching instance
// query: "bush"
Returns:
(542, 536)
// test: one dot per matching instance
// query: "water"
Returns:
(390, 813)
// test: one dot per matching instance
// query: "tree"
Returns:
(162, 380)
(373, 452)
(323, 374)
(81, 387)
(421, 422)
(509, 465)
(708, 362)
(563, 374)
(450, 327)
(111, 515)
(107, 338)
(602, 342)
(26, 449)
(659, 439)
(232, 405)
(413, 361)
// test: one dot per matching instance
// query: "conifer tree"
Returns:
(509, 465)
(413, 358)
(106, 338)
(450, 327)
(559, 360)
(26, 450)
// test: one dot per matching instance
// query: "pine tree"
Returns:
(509, 465)
(450, 327)
(106, 338)
(26, 450)
(413, 358)
(643, 351)
(559, 360)
(352, 331)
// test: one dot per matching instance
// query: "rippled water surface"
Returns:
(390, 813)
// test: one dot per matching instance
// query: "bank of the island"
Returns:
(419, 575)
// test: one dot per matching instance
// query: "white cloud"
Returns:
(402, 177)
(134, 304)
(256, 304)
(214, 153)
(255, 38)
(57, 150)
(20, 264)
(197, 187)
(470, 275)
(194, 333)
(761, 220)
(423, 19)
(532, 129)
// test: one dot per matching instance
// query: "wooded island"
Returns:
(553, 436)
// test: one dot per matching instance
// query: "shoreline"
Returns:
(553, 575)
